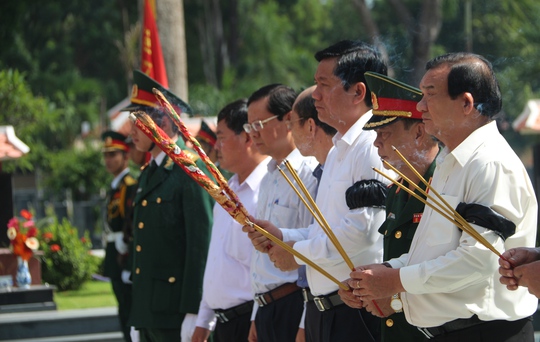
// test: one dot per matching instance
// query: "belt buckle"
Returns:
(260, 300)
(319, 303)
(305, 295)
(221, 317)
(426, 333)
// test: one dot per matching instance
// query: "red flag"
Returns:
(152, 62)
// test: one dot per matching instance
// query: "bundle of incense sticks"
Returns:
(318, 216)
(309, 202)
(442, 207)
(230, 203)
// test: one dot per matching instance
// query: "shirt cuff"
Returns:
(411, 280)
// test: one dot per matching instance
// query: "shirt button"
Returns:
(389, 322)
(137, 270)
(144, 203)
(141, 225)
(138, 248)
(172, 279)
(398, 234)
(158, 200)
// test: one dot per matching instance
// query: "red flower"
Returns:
(32, 232)
(20, 248)
(26, 214)
(47, 236)
(13, 223)
(83, 239)
(55, 248)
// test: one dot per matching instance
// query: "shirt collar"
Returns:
(295, 158)
(355, 131)
(463, 152)
(159, 158)
(118, 178)
(255, 177)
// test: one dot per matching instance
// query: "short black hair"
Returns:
(305, 108)
(473, 74)
(354, 58)
(280, 98)
(235, 115)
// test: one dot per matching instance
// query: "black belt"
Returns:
(279, 292)
(451, 326)
(224, 316)
(322, 303)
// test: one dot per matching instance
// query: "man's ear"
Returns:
(359, 92)
(468, 103)
(312, 126)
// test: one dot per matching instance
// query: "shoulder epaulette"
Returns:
(194, 156)
(129, 180)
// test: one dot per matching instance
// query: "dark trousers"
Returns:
(341, 323)
(122, 292)
(233, 330)
(279, 320)
(493, 331)
(159, 335)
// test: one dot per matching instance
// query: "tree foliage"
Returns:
(64, 63)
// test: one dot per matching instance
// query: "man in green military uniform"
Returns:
(398, 124)
(171, 232)
(118, 220)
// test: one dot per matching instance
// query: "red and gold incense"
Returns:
(231, 204)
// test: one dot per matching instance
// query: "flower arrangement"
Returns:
(22, 232)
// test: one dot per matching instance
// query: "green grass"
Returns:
(93, 294)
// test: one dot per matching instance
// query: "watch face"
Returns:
(396, 304)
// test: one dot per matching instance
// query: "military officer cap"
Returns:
(114, 141)
(142, 95)
(207, 134)
(392, 100)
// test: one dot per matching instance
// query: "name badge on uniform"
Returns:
(416, 217)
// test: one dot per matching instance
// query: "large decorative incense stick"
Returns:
(231, 204)
(197, 146)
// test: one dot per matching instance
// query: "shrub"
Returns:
(66, 261)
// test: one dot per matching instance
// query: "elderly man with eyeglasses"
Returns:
(278, 299)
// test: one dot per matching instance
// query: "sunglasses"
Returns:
(257, 125)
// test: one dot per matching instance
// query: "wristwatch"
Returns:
(396, 303)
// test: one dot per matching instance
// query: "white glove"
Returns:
(188, 327)
(125, 277)
(134, 334)
(119, 243)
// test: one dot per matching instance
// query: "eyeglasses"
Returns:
(257, 125)
(289, 122)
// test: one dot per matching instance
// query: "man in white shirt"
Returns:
(312, 138)
(343, 101)
(448, 280)
(279, 299)
(227, 296)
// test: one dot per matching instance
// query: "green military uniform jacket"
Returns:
(119, 212)
(171, 233)
(403, 213)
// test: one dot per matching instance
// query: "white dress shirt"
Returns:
(279, 204)
(449, 275)
(226, 277)
(351, 160)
